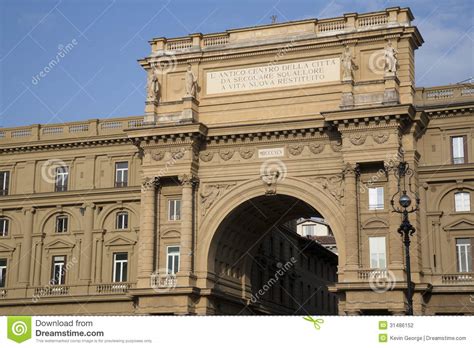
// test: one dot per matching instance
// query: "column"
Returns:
(187, 221)
(147, 232)
(39, 260)
(395, 255)
(87, 243)
(350, 209)
(25, 258)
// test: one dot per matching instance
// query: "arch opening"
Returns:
(274, 254)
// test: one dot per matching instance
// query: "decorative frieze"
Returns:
(226, 154)
(295, 149)
(210, 193)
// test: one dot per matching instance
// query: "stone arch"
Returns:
(313, 195)
(57, 211)
(104, 214)
(438, 199)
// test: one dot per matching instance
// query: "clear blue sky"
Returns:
(100, 76)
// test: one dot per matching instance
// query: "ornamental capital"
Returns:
(188, 179)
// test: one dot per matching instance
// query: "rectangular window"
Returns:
(122, 220)
(120, 267)
(462, 201)
(458, 149)
(378, 256)
(62, 174)
(174, 209)
(4, 180)
(121, 174)
(464, 254)
(58, 271)
(376, 198)
(3, 227)
(172, 262)
(61, 224)
(309, 230)
(3, 272)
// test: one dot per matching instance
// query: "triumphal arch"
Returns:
(246, 131)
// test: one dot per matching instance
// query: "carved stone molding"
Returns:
(316, 148)
(246, 152)
(351, 169)
(357, 138)
(270, 181)
(226, 154)
(149, 184)
(157, 155)
(206, 156)
(295, 149)
(334, 184)
(210, 193)
(188, 179)
(381, 138)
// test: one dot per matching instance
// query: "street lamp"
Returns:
(404, 175)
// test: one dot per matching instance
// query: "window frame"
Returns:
(468, 254)
(378, 205)
(5, 182)
(175, 262)
(62, 278)
(460, 194)
(3, 273)
(63, 217)
(176, 217)
(123, 274)
(61, 181)
(123, 172)
(4, 231)
(117, 220)
(377, 252)
(312, 227)
(464, 149)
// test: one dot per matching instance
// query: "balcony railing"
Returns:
(444, 94)
(371, 273)
(56, 290)
(458, 278)
(113, 288)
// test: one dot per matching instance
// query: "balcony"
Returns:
(371, 273)
(458, 278)
(113, 288)
(55, 290)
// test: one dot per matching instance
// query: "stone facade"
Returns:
(249, 129)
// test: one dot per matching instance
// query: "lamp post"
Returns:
(404, 175)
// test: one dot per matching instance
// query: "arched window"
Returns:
(62, 222)
(462, 201)
(4, 225)
(121, 220)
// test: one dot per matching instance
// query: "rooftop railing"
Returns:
(444, 94)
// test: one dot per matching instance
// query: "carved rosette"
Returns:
(210, 194)
(316, 148)
(295, 149)
(226, 154)
(246, 152)
(381, 138)
(358, 138)
(157, 155)
(336, 146)
(206, 156)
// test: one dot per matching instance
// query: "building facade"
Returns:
(191, 208)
